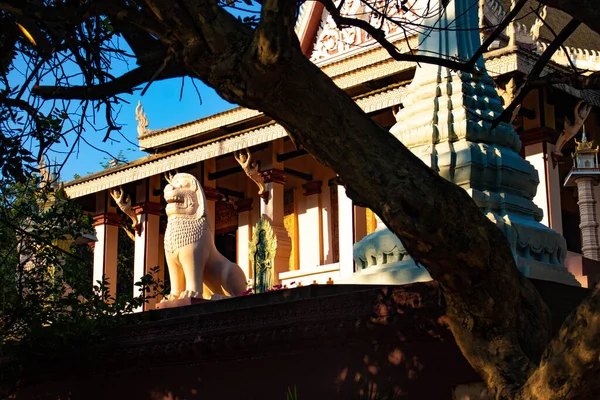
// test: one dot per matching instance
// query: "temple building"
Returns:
(515, 172)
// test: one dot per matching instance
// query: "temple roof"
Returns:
(350, 65)
(155, 164)
(583, 37)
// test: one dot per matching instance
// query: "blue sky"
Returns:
(163, 109)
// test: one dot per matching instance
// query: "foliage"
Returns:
(292, 394)
(47, 304)
(368, 391)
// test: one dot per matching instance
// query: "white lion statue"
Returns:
(190, 250)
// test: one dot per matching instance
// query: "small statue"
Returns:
(244, 158)
(262, 255)
(190, 251)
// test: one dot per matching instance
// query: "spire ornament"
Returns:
(140, 116)
(447, 123)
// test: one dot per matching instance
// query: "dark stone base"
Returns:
(180, 303)
(328, 342)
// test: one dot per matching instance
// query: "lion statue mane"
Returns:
(192, 258)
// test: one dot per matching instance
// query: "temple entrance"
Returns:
(226, 244)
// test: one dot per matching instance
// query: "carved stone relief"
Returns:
(263, 247)
(225, 215)
(331, 40)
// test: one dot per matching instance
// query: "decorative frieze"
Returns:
(244, 205)
(225, 216)
(313, 187)
(273, 175)
(212, 194)
(107, 219)
(150, 208)
(158, 164)
(153, 138)
(332, 41)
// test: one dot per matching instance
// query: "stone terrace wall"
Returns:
(326, 340)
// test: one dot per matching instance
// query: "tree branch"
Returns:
(586, 11)
(141, 42)
(275, 36)
(123, 84)
(379, 36)
(537, 69)
(571, 365)
(61, 13)
(499, 29)
(537, 14)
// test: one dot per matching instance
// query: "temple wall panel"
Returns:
(536, 156)
(210, 166)
(327, 225)
(244, 234)
(360, 223)
(532, 103)
(345, 232)
(290, 222)
(322, 275)
(371, 221)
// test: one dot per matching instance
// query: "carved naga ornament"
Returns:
(244, 158)
(123, 201)
(570, 130)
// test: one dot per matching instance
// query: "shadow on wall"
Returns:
(396, 345)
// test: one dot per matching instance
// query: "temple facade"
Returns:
(515, 172)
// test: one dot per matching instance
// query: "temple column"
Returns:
(272, 207)
(360, 223)
(211, 192)
(309, 222)
(147, 240)
(345, 233)
(244, 235)
(547, 196)
(161, 255)
(106, 225)
(590, 245)
(326, 226)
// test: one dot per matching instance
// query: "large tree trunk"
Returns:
(497, 317)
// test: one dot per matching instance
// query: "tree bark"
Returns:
(498, 319)
(570, 368)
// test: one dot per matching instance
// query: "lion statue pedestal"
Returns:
(192, 258)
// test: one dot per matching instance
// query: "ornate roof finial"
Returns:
(54, 176)
(140, 116)
(44, 172)
(539, 22)
(584, 144)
